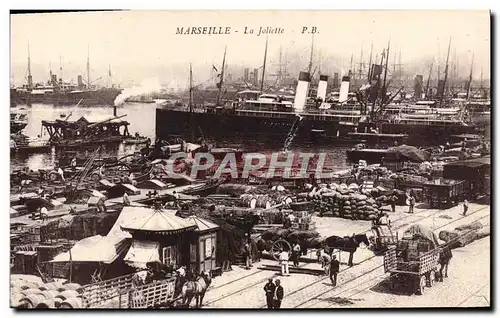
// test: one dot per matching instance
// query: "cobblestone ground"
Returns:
(365, 284)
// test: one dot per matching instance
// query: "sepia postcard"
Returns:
(250, 159)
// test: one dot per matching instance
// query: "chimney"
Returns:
(301, 91)
(256, 76)
(344, 89)
(80, 82)
(245, 74)
(336, 80)
(322, 85)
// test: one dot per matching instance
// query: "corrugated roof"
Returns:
(151, 220)
(201, 224)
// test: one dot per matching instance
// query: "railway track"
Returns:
(323, 279)
(366, 273)
(359, 291)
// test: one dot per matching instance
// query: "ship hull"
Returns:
(174, 123)
(92, 98)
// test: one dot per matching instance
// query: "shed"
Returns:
(476, 171)
(172, 233)
(202, 256)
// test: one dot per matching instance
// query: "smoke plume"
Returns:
(147, 86)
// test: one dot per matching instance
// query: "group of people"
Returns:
(274, 294)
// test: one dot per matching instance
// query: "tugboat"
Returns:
(18, 120)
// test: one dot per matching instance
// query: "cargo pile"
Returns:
(464, 234)
(346, 202)
(34, 294)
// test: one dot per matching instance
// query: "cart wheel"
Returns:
(420, 285)
(431, 279)
(279, 245)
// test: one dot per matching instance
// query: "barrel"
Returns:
(68, 294)
(74, 302)
(284, 199)
(248, 201)
(263, 201)
(31, 301)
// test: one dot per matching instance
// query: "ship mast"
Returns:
(88, 67)
(61, 71)
(429, 80)
(361, 63)
(190, 88)
(470, 77)
(221, 77)
(445, 73)
(263, 70)
(370, 65)
(384, 89)
(30, 78)
(309, 68)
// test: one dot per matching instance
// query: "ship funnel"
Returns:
(301, 91)
(344, 89)
(322, 85)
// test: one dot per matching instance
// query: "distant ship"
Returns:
(56, 92)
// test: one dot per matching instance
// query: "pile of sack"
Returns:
(347, 202)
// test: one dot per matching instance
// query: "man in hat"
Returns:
(269, 288)
(278, 295)
(334, 270)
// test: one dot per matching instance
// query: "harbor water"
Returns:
(141, 117)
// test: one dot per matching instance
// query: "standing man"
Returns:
(334, 270)
(412, 202)
(278, 295)
(61, 173)
(394, 198)
(284, 263)
(126, 200)
(296, 254)
(269, 288)
(246, 255)
(466, 206)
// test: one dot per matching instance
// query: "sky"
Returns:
(138, 45)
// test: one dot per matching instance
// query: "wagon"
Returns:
(417, 274)
(443, 193)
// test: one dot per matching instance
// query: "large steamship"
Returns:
(273, 121)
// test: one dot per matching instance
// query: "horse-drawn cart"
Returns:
(413, 262)
(418, 274)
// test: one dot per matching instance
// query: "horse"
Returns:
(347, 244)
(196, 289)
(444, 260)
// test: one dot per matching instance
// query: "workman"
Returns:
(126, 200)
(278, 295)
(61, 173)
(334, 270)
(466, 206)
(73, 163)
(283, 258)
(269, 288)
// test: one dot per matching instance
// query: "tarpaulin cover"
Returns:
(421, 231)
(96, 248)
(142, 252)
(411, 153)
